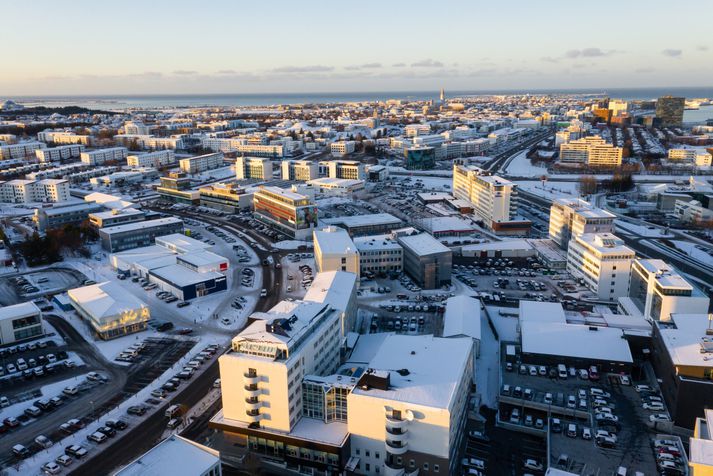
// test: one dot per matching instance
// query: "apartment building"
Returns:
(225, 197)
(342, 148)
(379, 255)
(28, 191)
(347, 169)
(334, 250)
(253, 168)
(603, 262)
(101, 156)
(426, 260)
(494, 199)
(201, 163)
(411, 420)
(136, 235)
(19, 322)
(138, 128)
(413, 130)
(291, 213)
(150, 142)
(593, 151)
(157, 159)
(657, 291)
(63, 138)
(19, 151)
(299, 170)
(570, 217)
(59, 153)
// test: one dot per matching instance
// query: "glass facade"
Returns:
(325, 402)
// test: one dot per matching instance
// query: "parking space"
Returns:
(35, 284)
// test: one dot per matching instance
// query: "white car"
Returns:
(643, 388)
(655, 406)
(659, 417)
(532, 464)
(51, 468)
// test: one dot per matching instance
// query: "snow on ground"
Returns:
(442, 184)
(329, 201)
(550, 190)
(691, 250)
(220, 173)
(641, 230)
(47, 391)
(291, 244)
(521, 166)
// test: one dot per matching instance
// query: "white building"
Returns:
(60, 153)
(656, 291)
(570, 217)
(138, 128)
(253, 168)
(19, 322)
(299, 170)
(603, 262)
(157, 159)
(700, 456)
(335, 186)
(334, 250)
(176, 456)
(29, 191)
(19, 151)
(339, 290)
(379, 254)
(101, 156)
(700, 157)
(692, 212)
(342, 148)
(201, 163)
(592, 151)
(347, 169)
(109, 310)
(413, 130)
(63, 137)
(408, 411)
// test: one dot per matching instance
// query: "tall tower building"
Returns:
(669, 110)
(443, 95)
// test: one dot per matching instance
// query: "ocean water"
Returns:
(120, 102)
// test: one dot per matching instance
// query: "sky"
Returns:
(77, 47)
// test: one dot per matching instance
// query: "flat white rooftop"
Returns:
(462, 317)
(181, 243)
(364, 220)
(333, 240)
(423, 244)
(176, 456)
(683, 339)
(105, 300)
(605, 243)
(141, 225)
(376, 242)
(181, 276)
(428, 381)
(18, 310)
(332, 287)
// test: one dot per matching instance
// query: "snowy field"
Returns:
(521, 166)
(691, 250)
(641, 230)
(550, 190)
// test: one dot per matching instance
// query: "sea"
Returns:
(170, 101)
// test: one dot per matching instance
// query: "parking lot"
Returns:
(26, 286)
(596, 423)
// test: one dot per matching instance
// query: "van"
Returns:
(172, 411)
(562, 371)
(621, 471)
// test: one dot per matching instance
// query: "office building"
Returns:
(124, 177)
(570, 217)
(379, 255)
(342, 148)
(20, 151)
(407, 413)
(253, 168)
(109, 310)
(361, 225)
(299, 170)
(136, 235)
(229, 198)
(288, 212)
(334, 250)
(201, 163)
(657, 291)
(47, 218)
(157, 159)
(30, 191)
(339, 290)
(176, 187)
(102, 156)
(186, 282)
(700, 455)
(669, 111)
(59, 153)
(603, 262)
(426, 260)
(176, 456)
(336, 187)
(681, 357)
(593, 151)
(115, 217)
(494, 199)
(376, 173)
(420, 157)
(347, 169)
(19, 322)
(692, 211)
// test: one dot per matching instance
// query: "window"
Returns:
(425, 466)
(357, 451)
(436, 468)
(376, 454)
(367, 467)
(412, 463)
(366, 453)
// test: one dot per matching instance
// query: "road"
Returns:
(501, 159)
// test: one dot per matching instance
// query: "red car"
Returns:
(11, 422)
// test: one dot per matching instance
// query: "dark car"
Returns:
(136, 410)
(116, 424)
(185, 331)
(110, 432)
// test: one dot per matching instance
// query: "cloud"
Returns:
(673, 53)
(303, 69)
(644, 70)
(147, 75)
(427, 63)
(226, 71)
(184, 72)
(398, 65)
(702, 48)
(549, 59)
(363, 66)
(588, 53)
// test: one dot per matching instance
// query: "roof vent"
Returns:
(403, 372)
(593, 328)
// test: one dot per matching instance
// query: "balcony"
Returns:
(396, 431)
(392, 422)
(393, 469)
(250, 378)
(252, 390)
(253, 415)
(252, 403)
(396, 447)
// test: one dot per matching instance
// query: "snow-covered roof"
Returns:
(421, 379)
(18, 310)
(363, 220)
(140, 225)
(176, 456)
(104, 301)
(423, 244)
(446, 224)
(544, 330)
(366, 348)
(701, 447)
(202, 258)
(376, 242)
(684, 337)
(332, 287)
(462, 317)
(333, 240)
(509, 245)
(181, 243)
(181, 276)
(112, 213)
